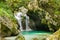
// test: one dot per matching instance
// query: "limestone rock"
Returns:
(8, 27)
(55, 36)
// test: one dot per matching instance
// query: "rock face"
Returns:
(55, 36)
(7, 25)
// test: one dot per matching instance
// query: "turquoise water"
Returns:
(29, 35)
(34, 32)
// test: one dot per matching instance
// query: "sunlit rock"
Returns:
(33, 5)
(54, 36)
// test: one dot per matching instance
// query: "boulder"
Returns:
(54, 36)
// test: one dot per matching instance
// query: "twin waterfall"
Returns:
(19, 16)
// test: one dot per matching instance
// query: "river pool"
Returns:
(32, 35)
(35, 35)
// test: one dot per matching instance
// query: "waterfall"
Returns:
(19, 19)
(27, 23)
(18, 16)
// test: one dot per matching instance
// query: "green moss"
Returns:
(20, 37)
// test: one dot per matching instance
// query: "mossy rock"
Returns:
(55, 36)
(8, 27)
(35, 39)
(1, 38)
(20, 37)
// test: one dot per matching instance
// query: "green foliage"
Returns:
(15, 4)
(6, 10)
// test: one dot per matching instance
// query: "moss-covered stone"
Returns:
(35, 39)
(54, 36)
(7, 25)
(20, 37)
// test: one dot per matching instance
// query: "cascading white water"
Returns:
(27, 23)
(19, 19)
(18, 16)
